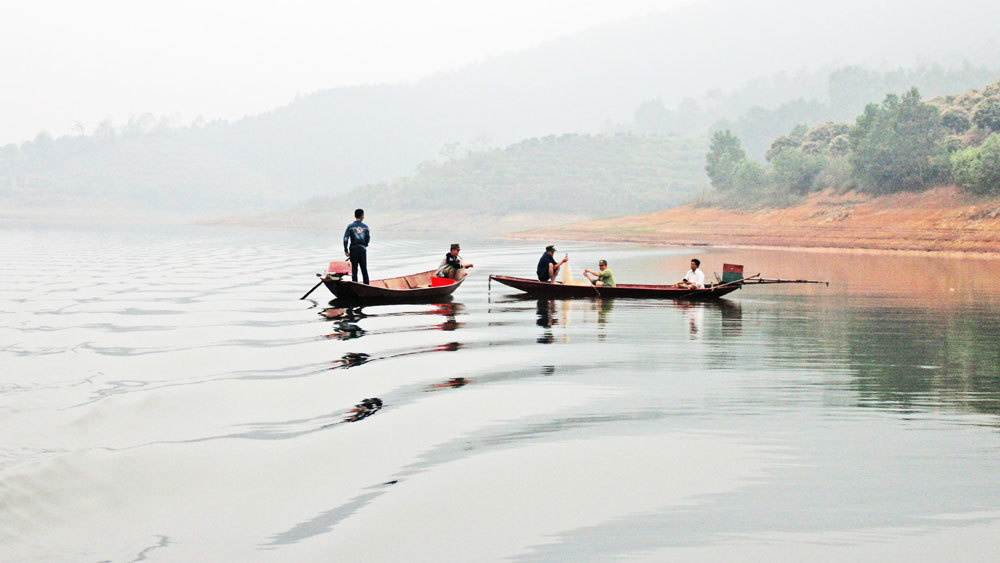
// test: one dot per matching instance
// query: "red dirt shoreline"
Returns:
(939, 220)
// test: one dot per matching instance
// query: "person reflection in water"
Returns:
(364, 409)
(546, 318)
(544, 309)
(695, 317)
(448, 311)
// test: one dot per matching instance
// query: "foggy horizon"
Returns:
(71, 67)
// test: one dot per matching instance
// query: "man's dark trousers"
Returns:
(359, 258)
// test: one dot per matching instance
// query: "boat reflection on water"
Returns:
(551, 313)
(730, 317)
(453, 383)
(449, 311)
(347, 315)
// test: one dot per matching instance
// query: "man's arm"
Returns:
(347, 241)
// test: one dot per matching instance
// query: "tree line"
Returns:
(900, 144)
(573, 173)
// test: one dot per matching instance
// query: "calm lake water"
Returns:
(166, 396)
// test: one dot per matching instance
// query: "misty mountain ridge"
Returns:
(333, 140)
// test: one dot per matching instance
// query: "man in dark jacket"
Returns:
(356, 239)
(452, 266)
(548, 268)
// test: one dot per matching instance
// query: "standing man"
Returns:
(695, 278)
(548, 268)
(356, 239)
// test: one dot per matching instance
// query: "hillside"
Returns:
(941, 219)
(332, 141)
(583, 174)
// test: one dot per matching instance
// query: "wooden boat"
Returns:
(424, 286)
(557, 290)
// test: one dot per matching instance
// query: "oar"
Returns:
(312, 290)
(779, 280)
(741, 280)
(593, 283)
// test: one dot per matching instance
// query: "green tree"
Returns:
(978, 168)
(723, 158)
(782, 143)
(749, 177)
(957, 120)
(796, 170)
(987, 114)
(897, 145)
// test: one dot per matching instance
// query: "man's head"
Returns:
(602, 264)
(359, 214)
(455, 248)
(695, 263)
(550, 249)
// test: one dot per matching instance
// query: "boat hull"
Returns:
(412, 288)
(537, 288)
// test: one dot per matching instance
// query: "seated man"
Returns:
(548, 268)
(603, 278)
(452, 266)
(695, 278)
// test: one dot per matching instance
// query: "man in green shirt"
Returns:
(603, 278)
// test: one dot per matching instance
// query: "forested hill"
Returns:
(901, 144)
(334, 140)
(595, 175)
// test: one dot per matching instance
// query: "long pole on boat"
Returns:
(312, 290)
(779, 280)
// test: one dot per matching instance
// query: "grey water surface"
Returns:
(165, 395)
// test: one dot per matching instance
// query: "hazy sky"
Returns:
(67, 62)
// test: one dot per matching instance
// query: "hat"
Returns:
(550, 248)
(455, 247)
(602, 262)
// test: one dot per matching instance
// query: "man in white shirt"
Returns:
(695, 278)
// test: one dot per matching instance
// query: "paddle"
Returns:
(312, 290)
(593, 283)
(335, 268)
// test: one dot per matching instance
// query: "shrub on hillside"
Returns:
(723, 158)
(796, 170)
(896, 145)
(987, 114)
(836, 174)
(978, 168)
(957, 120)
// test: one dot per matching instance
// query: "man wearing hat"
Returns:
(452, 264)
(602, 277)
(548, 268)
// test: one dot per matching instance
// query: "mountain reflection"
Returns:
(926, 359)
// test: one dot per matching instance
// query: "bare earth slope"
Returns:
(942, 219)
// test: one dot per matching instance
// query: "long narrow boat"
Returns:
(557, 290)
(414, 287)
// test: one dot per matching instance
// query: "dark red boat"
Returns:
(414, 287)
(557, 290)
